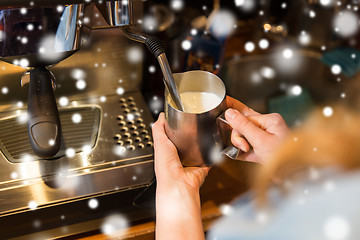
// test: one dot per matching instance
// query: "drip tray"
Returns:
(80, 127)
(111, 161)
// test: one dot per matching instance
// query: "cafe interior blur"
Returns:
(78, 72)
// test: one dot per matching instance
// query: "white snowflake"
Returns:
(50, 49)
(328, 111)
(246, 5)
(23, 11)
(239, 3)
(336, 228)
(93, 203)
(86, 149)
(268, 72)
(24, 62)
(249, 46)
(155, 104)
(63, 101)
(37, 223)
(152, 69)
(14, 175)
(60, 8)
(255, 78)
(346, 23)
(119, 150)
(177, 4)
(120, 91)
(86, 20)
(32, 204)
(51, 142)
(336, 69)
(329, 185)
(295, 90)
(102, 99)
(326, 2)
(193, 32)
(4, 90)
(70, 152)
(216, 157)
(287, 53)
(114, 225)
(226, 209)
(24, 40)
(222, 22)
(76, 118)
(262, 217)
(150, 23)
(26, 158)
(134, 55)
(22, 118)
(263, 43)
(130, 117)
(304, 38)
(312, 14)
(314, 174)
(80, 84)
(186, 45)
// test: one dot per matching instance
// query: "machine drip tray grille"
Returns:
(80, 127)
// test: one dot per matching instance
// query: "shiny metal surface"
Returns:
(169, 81)
(37, 37)
(225, 133)
(196, 136)
(119, 12)
(101, 168)
(44, 191)
(40, 36)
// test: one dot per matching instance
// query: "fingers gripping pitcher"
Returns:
(199, 132)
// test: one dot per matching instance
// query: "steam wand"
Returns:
(155, 46)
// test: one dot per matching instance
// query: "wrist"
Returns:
(178, 213)
(178, 191)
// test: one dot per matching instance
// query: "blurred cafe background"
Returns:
(86, 61)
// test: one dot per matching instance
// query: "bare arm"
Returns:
(178, 208)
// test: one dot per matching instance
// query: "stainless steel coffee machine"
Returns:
(74, 127)
(47, 36)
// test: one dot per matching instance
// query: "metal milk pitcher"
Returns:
(201, 137)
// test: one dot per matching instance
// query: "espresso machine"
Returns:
(74, 127)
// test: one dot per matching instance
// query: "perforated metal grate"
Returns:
(133, 133)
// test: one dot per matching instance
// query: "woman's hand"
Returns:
(168, 168)
(257, 135)
(178, 209)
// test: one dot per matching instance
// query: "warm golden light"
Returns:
(267, 27)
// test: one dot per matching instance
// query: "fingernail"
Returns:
(242, 148)
(231, 113)
(238, 141)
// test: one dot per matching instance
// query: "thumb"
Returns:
(164, 150)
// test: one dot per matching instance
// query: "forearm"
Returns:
(178, 214)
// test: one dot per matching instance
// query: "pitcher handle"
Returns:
(225, 129)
